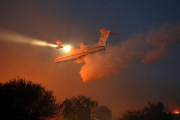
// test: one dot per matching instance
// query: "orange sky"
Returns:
(75, 22)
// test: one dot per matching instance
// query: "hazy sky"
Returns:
(141, 63)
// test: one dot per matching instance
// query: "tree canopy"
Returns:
(78, 108)
(103, 113)
(24, 100)
(152, 112)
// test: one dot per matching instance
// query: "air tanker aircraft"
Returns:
(83, 50)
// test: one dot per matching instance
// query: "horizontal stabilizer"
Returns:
(111, 33)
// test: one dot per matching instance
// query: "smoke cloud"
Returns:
(151, 47)
(13, 37)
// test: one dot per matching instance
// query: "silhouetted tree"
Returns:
(78, 108)
(153, 112)
(23, 100)
(103, 113)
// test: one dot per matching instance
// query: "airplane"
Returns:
(83, 50)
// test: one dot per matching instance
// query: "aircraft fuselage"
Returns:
(80, 54)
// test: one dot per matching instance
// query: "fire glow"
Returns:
(175, 111)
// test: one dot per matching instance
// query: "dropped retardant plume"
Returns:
(152, 47)
(18, 38)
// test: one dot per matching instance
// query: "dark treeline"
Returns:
(25, 100)
(152, 112)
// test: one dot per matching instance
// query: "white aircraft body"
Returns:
(78, 53)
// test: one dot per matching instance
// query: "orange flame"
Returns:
(175, 111)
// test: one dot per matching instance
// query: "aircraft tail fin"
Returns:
(104, 36)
